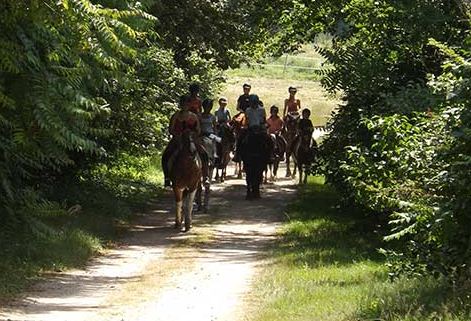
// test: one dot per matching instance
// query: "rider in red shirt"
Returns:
(292, 105)
(183, 120)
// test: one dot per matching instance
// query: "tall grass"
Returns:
(326, 267)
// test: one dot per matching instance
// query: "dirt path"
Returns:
(159, 274)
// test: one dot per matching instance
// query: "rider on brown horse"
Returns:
(304, 124)
(182, 121)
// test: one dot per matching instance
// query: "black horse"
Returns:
(255, 153)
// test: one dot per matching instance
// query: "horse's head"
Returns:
(228, 137)
(187, 143)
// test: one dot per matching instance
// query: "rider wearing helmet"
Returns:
(194, 101)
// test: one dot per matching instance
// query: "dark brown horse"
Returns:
(255, 152)
(304, 152)
(289, 133)
(238, 123)
(278, 151)
(185, 174)
(225, 147)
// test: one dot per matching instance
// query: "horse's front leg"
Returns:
(275, 169)
(288, 165)
(239, 172)
(300, 167)
(178, 193)
(207, 191)
(189, 210)
(293, 175)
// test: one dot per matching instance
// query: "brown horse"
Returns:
(185, 174)
(225, 147)
(289, 133)
(304, 152)
(238, 123)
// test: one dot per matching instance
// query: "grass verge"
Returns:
(326, 267)
(81, 218)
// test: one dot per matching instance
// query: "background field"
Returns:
(271, 79)
(275, 91)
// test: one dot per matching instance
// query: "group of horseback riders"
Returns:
(195, 116)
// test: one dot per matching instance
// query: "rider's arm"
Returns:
(298, 102)
(171, 126)
(263, 117)
(238, 104)
(198, 124)
(285, 108)
(213, 122)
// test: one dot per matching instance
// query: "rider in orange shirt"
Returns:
(275, 125)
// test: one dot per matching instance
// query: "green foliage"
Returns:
(399, 145)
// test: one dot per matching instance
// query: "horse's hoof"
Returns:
(177, 226)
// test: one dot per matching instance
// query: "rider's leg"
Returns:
(241, 137)
(204, 162)
(165, 161)
(283, 144)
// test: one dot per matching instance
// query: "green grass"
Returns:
(270, 82)
(275, 91)
(326, 267)
(301, 66)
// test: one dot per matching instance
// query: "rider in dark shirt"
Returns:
(243, 100)
(305, 123)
